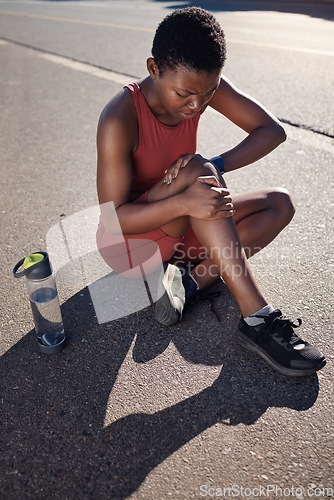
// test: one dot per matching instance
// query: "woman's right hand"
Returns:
(207, 199)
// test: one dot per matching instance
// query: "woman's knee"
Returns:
(280, 200)
(197, 167)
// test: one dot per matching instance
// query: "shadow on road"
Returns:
(53, 407)
(322, 10)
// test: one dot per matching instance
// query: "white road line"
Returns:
(86, 68)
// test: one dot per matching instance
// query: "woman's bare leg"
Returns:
(260, 216)
(217, 235)
(233, 268)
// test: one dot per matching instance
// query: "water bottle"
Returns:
(44, 301)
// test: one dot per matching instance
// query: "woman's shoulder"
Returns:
(120, 109)
(118, 122)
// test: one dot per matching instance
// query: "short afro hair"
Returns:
(189, 37)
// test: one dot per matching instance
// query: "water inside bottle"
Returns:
(47, 316)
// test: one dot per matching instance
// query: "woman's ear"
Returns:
(152, 68)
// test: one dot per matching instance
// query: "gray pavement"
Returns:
(130, 409)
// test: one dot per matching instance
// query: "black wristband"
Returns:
(218, 162)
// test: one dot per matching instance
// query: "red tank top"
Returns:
(159, 144)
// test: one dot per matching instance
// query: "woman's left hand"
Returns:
(172, 171)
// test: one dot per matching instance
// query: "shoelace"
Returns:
(283, 326)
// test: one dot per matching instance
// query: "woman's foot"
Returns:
(275, 340)
(178, 289)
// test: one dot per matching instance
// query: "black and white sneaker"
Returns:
(275, 340)
(179, 288)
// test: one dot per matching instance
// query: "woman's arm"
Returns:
(265, 132)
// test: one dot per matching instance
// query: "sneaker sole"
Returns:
(244, 341)
(168, 309)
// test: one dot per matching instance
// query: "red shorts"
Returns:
(131, 255)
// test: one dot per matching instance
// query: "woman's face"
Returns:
(183, 92)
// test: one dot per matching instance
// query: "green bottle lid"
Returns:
(32, 259)
(36, 266)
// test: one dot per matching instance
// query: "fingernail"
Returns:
(165, 180)
(165, 172)
(174, 175)
(169, 181)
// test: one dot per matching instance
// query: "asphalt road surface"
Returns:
(131, 409)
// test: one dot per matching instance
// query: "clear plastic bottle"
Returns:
(44, 301)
